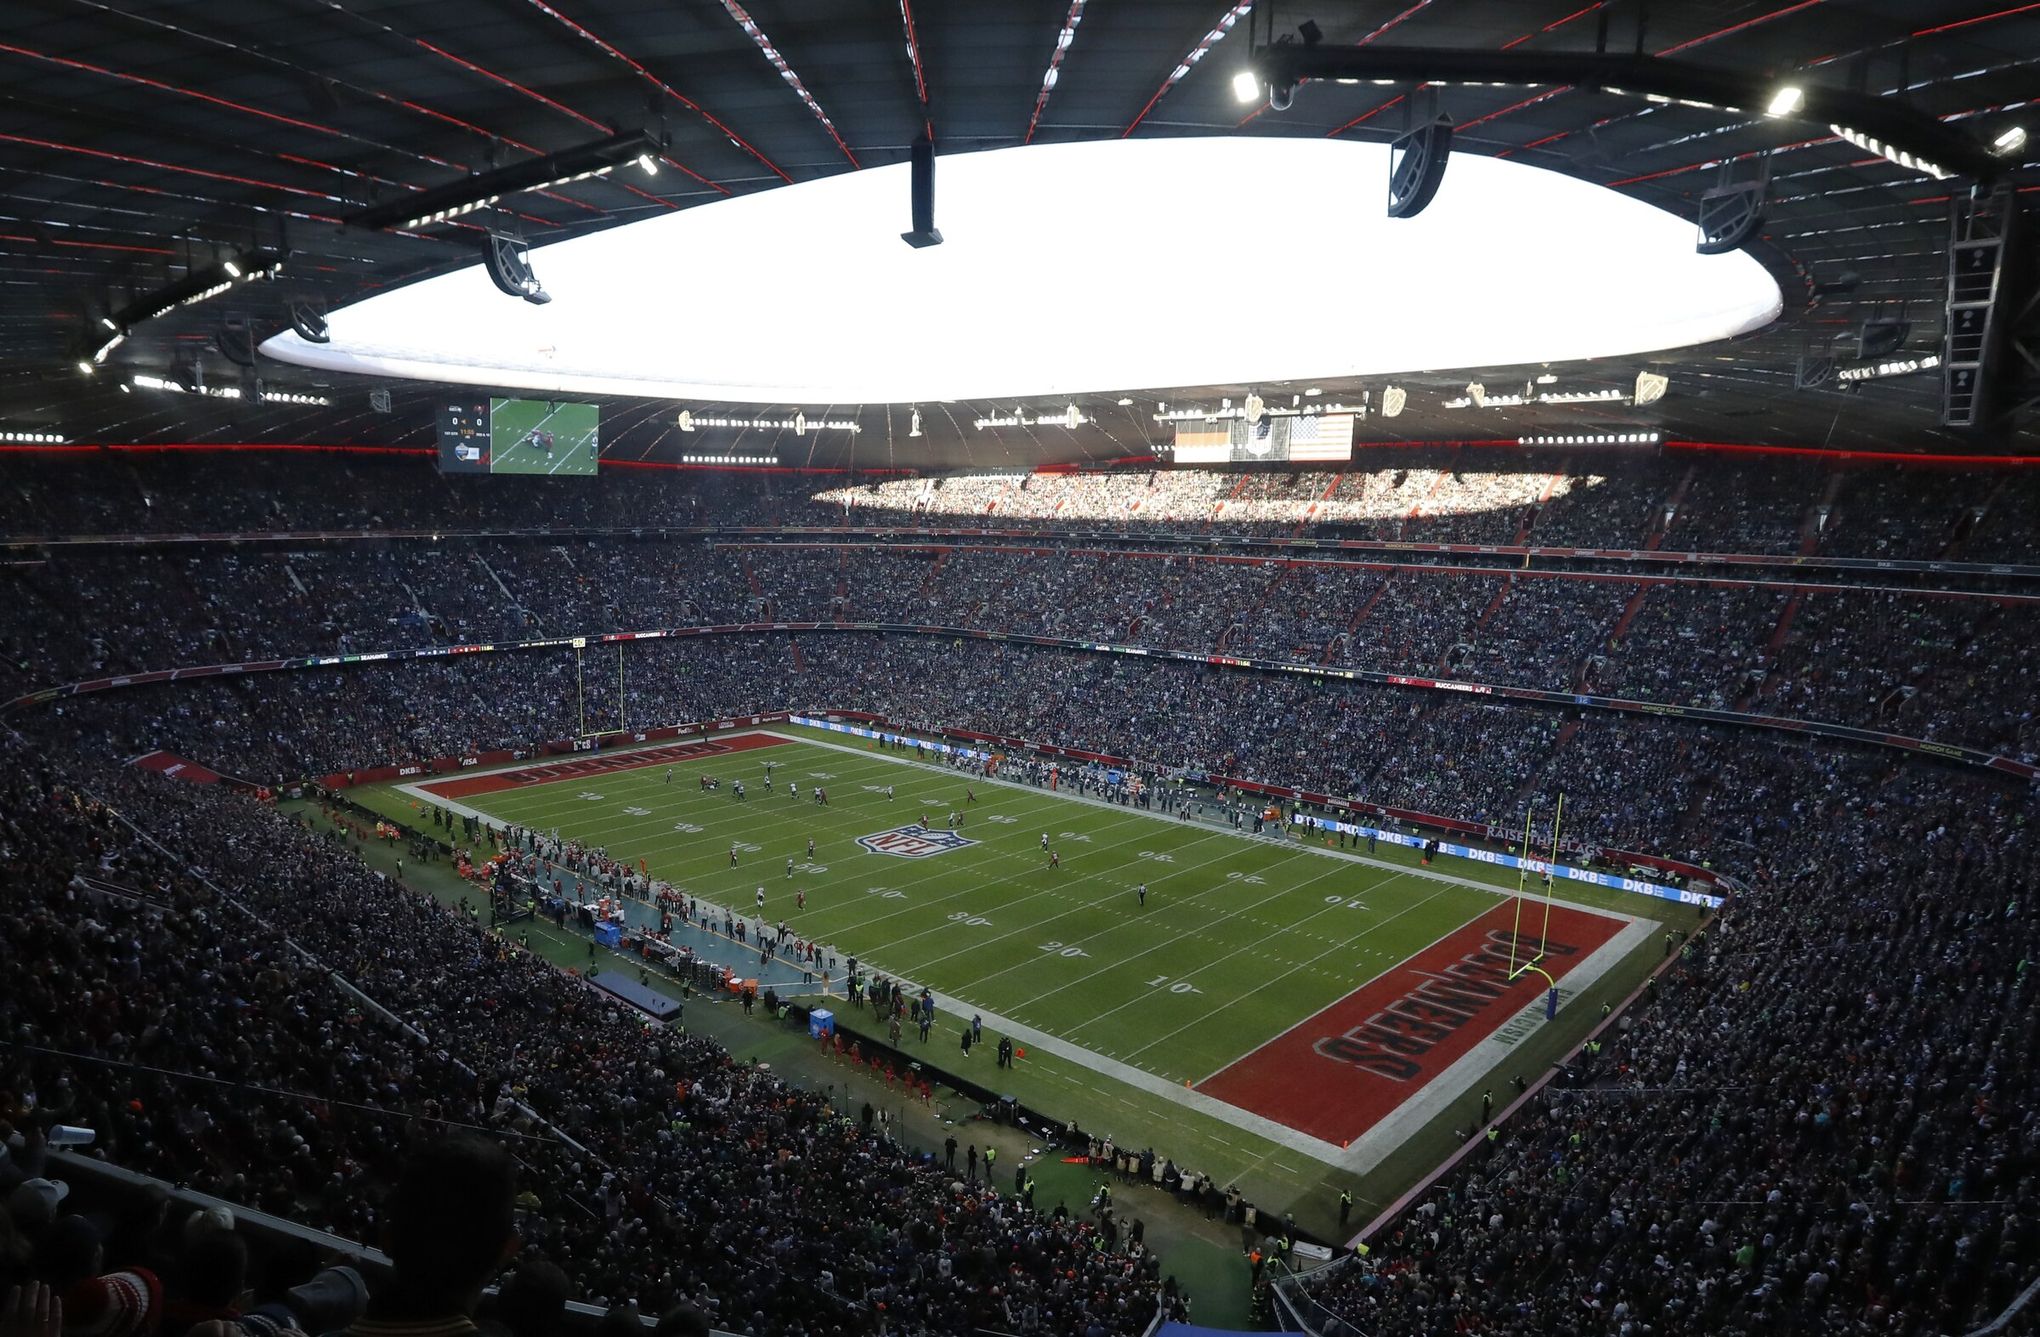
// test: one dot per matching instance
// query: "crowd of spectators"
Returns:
(1939, 668)
(279, 1030)
(1692, 645)
(1451, 755)
(1411, 494)
(1904, 660)
(1819, 1121)
(1816, 1121)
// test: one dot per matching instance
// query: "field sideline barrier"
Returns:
(1534, 865)
(1921, 746)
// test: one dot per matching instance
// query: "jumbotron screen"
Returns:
(1303, 437)
(518, 436)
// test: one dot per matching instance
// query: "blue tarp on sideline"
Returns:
(637, 995)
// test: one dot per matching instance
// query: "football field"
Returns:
(1320, 999)
(573, 428)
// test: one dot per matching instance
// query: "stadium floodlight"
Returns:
(686, 420)
(1890, 152)
(1392, 401)
(1664, 80)
(1650, 387)
(1729, 216)
(2010, 143)
(438, 204)
(1592, 439)
(309, 324)
(508, 261)
(648, 164)
(233, 269)
(109, 323)
(1246, 86)
(1416, 167)
(1786, 100)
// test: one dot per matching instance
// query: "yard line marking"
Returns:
(1100, 903)
(1287, 973)
(1120, 964)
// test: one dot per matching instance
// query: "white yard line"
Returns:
(568, 455)
(1301, 965)
(1105, 966)
(1101, 903)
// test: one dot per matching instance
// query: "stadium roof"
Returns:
(146, 142)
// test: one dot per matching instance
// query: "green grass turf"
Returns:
(574, 437)
(1256, 934)
(1239, 939)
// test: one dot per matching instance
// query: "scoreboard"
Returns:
(464, 436)
(1302, 437)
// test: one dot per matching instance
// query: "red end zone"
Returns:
(1352, 1065)
(593, 764)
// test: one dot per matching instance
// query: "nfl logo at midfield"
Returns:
(911, 842)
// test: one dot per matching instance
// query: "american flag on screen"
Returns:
(1308, 437)
(1321, 437)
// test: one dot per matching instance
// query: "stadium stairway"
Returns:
(1813, 526)
(1503, 588)
(934, 570)
(1531, 513)
(1282, 574)
(1661, 525)
(1628, 615)
(1966, 527)
(1360, 613)
(1302, 525)
(490, 571)
(1769, 683)
(1218, 508)
(1551, 761)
